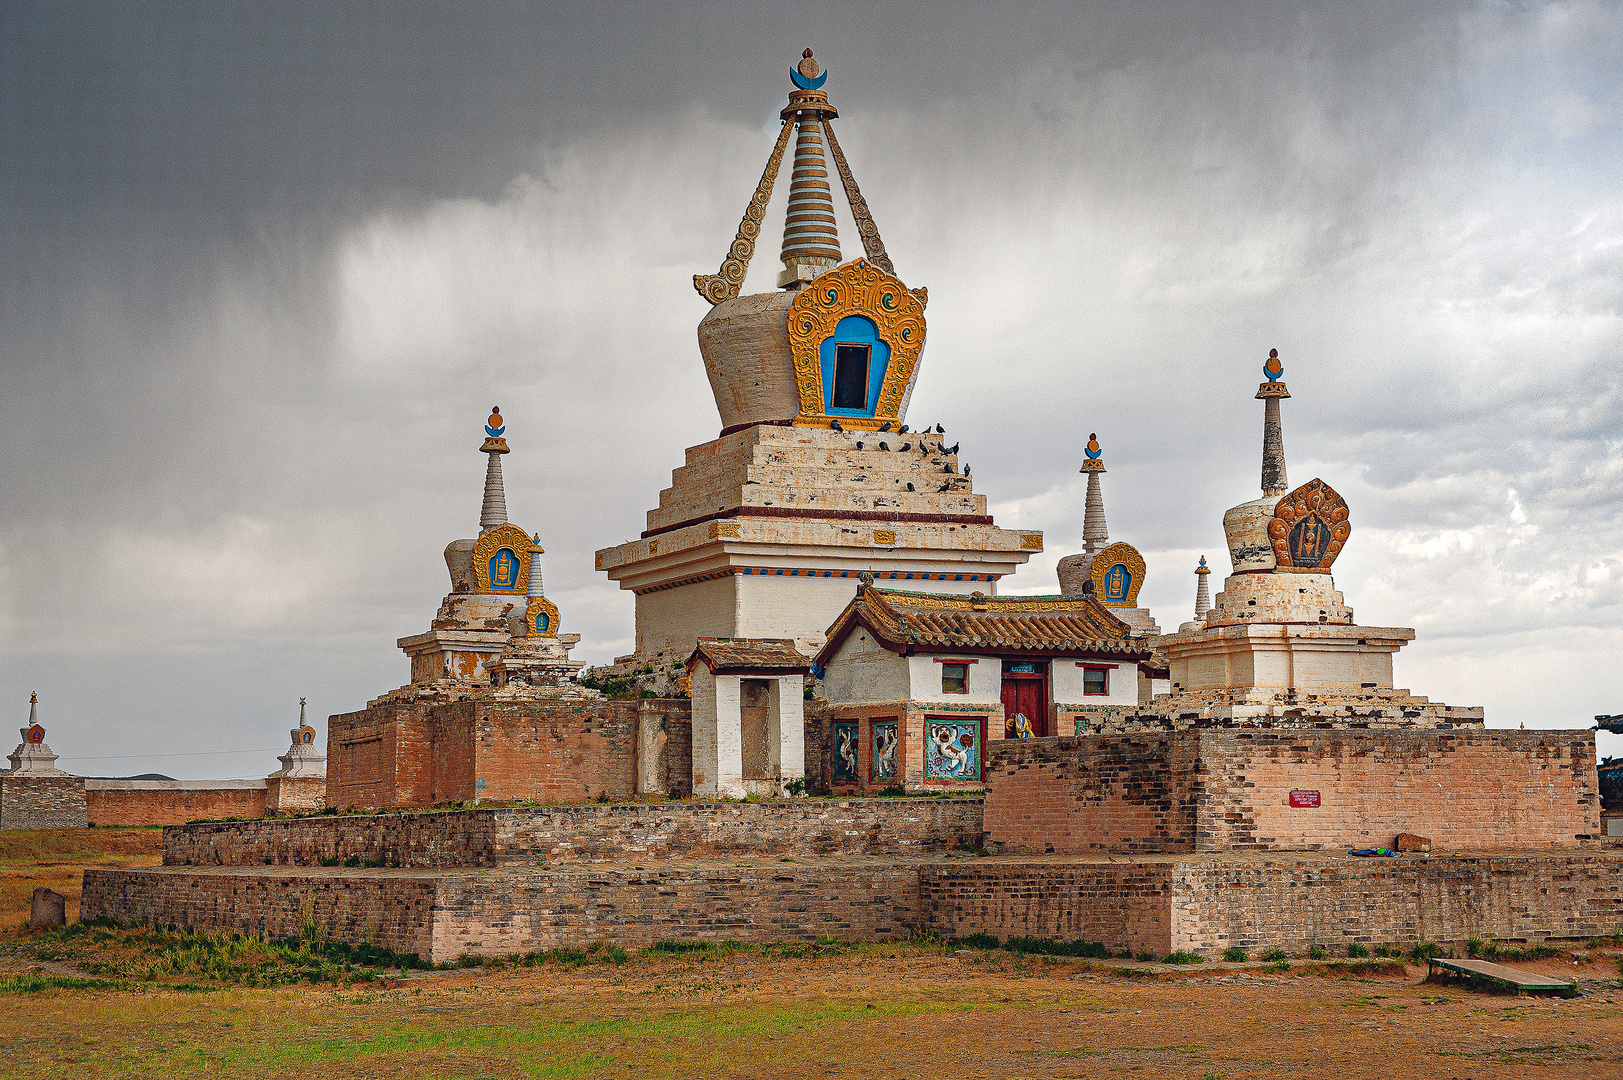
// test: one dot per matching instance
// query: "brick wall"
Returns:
(295, 794)
(391, 909)
(1125, 905)
(1470, 788)
(1077, 795)
(631, 832)
(1205, 790)
(1294, 904)
(171, 802)
(42, 802)
(487, 749)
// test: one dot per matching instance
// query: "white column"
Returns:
(789, 720)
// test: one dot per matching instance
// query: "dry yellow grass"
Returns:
(57, 858)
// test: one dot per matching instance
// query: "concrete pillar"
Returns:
(652, 739)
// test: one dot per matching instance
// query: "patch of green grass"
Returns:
(33, 984)
(1274, 954)
(1235, 955)
(1182, 957)
(1355, 951)
(164, 954)
(977, 941)
(1050, 947)
(1317, 952)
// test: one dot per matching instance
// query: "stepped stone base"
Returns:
(1157, 904)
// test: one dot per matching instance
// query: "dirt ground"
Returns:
(866, 1011)
(56, 858)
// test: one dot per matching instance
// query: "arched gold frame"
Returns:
(1127, 555)
(502, 536)
(1313, 497)
(855, 288)
(537, 605)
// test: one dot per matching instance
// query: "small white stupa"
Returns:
(32, 756)
(302, 758)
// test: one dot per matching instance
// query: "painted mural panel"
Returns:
(845, 752)
(952, 749)
(885, 741)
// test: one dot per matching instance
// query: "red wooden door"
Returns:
(1025, 695)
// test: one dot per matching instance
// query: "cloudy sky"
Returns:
(266, 268)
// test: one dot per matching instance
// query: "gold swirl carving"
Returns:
(855, 288)
(872, 246)
(1318, 545)
(502, 536)
(725, 283)
(1123, 555)
(538, 605)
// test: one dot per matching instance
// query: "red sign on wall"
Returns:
(1304, 798)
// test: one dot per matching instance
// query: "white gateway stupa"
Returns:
(816, 477)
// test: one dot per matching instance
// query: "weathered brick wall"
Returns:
(560, 751)
(631, 832)
(295, 794)
(1470, 788)
(487, 749)
(172, 802)
(1295, 904)
(1076, 795)
(381, 907)
(42, 802)
(1228, 790)
(1125, 905)
(520, 910)
(443, 915)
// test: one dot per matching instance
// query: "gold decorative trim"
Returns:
(502, 536)
(724, 530)
(872, 246)
(1273, 389)
(725, 283)
(1314, 499)
(538, 605)
(885, 537)
(1031, 541)
(1126, 556)
(854, 288)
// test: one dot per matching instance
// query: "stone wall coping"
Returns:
(174, 785)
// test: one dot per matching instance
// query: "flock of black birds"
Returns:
(923, 447)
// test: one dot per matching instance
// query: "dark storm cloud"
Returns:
(266, 267)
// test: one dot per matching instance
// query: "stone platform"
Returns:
(513, 880)
(1157, 904)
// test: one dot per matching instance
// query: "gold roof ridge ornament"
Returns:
(809, 228)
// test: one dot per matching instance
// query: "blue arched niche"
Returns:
(855, 341)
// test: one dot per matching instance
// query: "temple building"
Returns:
(917, 683)
(816, 476)
(1279, 646)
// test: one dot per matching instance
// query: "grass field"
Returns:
(57, 858)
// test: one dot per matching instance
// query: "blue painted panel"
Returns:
(1117, 582)
(854, 330)
(504, 569)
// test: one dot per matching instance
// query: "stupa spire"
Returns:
(534, 589)
(811, 241)
(33, 708)
(1203, 594)
(1095, 533)
(1274, 481)
(494, 511)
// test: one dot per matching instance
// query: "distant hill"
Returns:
(143, 776)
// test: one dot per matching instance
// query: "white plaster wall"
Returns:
(676, 618)
(863, 671)
(804, 607)
(1066, 679)
(729, 738)
(789, 720)
(984, 684)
